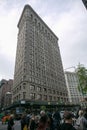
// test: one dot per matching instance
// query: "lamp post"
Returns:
(70, 68)
(8, 98)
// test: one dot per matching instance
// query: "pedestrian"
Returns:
(50, 121)
(23, 122)
(42, 113)
(42, 123)
(32, 124)
(28, 120)
(56, 120)
(81, 122)
(11, 123)
(68, 120)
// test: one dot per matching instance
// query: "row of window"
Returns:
(38, 89)
(34, 96)
(34, 19)
(49, 82)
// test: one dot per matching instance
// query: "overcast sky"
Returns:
(66, 18)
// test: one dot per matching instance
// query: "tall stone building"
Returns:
(38, 69)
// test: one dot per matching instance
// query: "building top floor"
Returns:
(29, 12)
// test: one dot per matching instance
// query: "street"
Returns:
(17, 126)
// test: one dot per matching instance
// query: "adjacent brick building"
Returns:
(6, 92)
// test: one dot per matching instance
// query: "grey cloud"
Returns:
(68, 19)
(6, 67)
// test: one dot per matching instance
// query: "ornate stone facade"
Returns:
(38, 69)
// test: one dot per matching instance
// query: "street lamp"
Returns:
(8, 98)
(70, 68)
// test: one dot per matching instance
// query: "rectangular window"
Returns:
(39, 89)
(44, 89)
(45, 97)
(24, 95)
(32, 87)
(39, 97)
(32, 96)
(50, 98)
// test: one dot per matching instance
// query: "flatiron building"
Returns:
(38, 71)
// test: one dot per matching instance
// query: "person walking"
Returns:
(42, 125)
(56, 120)
(23, 122)
(32, 123)
(10, 123)
(68, 120)
(81, 122)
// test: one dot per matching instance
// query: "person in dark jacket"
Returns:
(10, 123)
(56, 120)
(43, 123)
(32, 123)
(68, 120)
(23, 121)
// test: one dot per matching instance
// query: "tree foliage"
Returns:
(43, 108)
(82, 77)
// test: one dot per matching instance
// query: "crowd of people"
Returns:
(52, 121)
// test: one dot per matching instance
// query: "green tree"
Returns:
(82, 77)
(43, 108)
